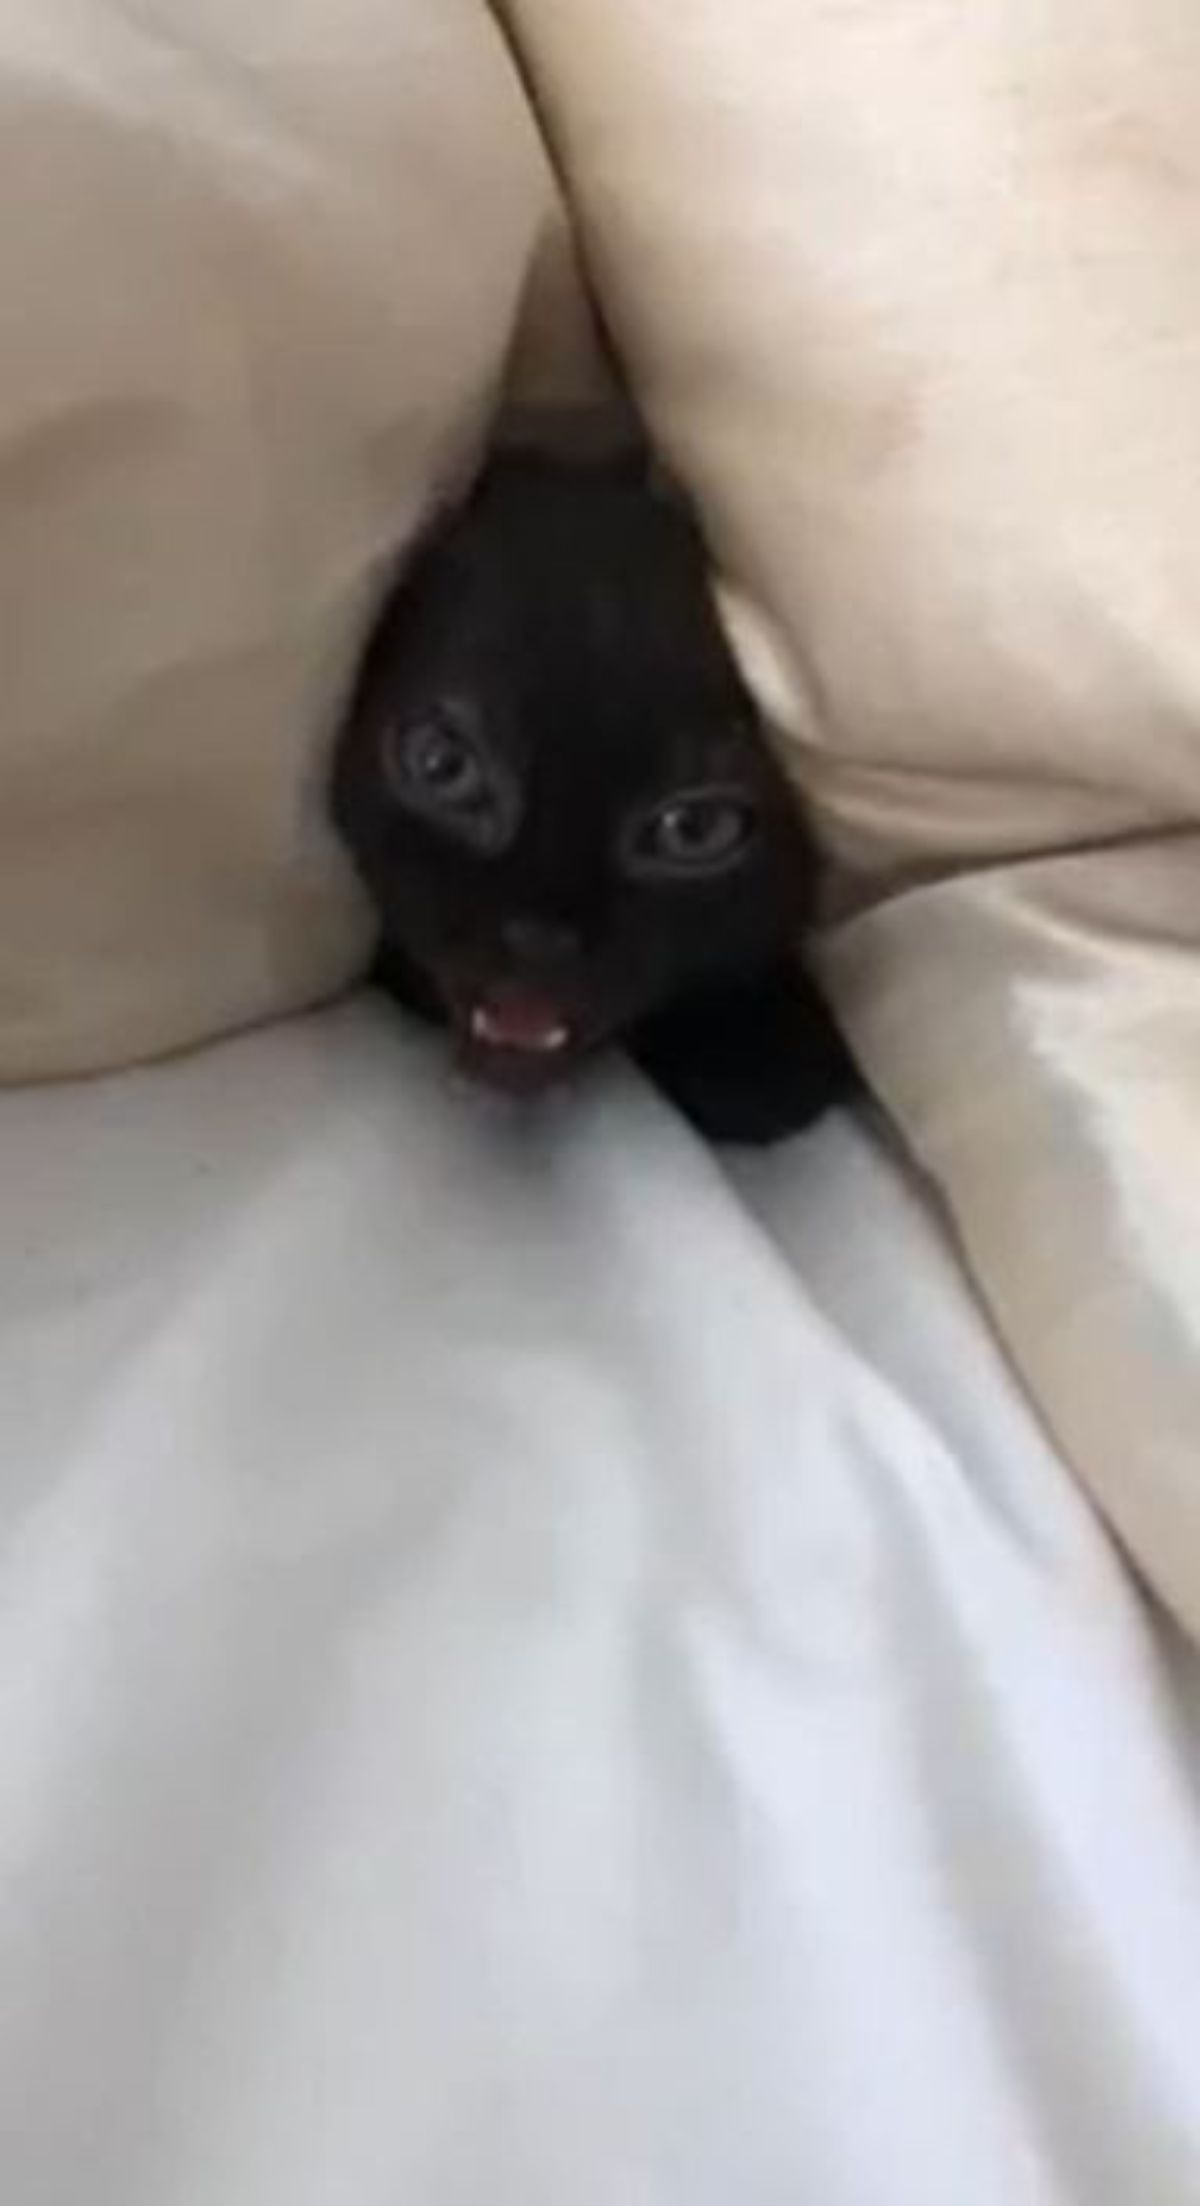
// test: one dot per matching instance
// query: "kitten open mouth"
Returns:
(519, 1022)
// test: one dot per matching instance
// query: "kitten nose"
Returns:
(540, 941)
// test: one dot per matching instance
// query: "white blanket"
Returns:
(538, 1668)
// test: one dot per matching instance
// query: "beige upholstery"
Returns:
(913, 293)
(260, 268)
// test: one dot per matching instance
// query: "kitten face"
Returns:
(551, 778)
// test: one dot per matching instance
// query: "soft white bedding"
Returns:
(537, 1668)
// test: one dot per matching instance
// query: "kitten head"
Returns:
(552, 779)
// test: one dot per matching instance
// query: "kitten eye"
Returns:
(441, 762)
(698, 833)
(436, 768)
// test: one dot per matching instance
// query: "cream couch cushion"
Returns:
(259, 268)
(912, 291)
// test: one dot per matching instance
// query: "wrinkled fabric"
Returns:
(260, 271)
(913, 295)
(1039, 1031)
(538, 1664)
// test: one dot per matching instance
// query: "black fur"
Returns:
(560, 627)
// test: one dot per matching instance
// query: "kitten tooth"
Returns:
(491, 1030)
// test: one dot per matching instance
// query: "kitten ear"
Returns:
(666, 488)
(644, 469)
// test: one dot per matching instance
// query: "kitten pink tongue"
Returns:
(518, 1018)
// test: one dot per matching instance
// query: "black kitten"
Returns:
(554, 786)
